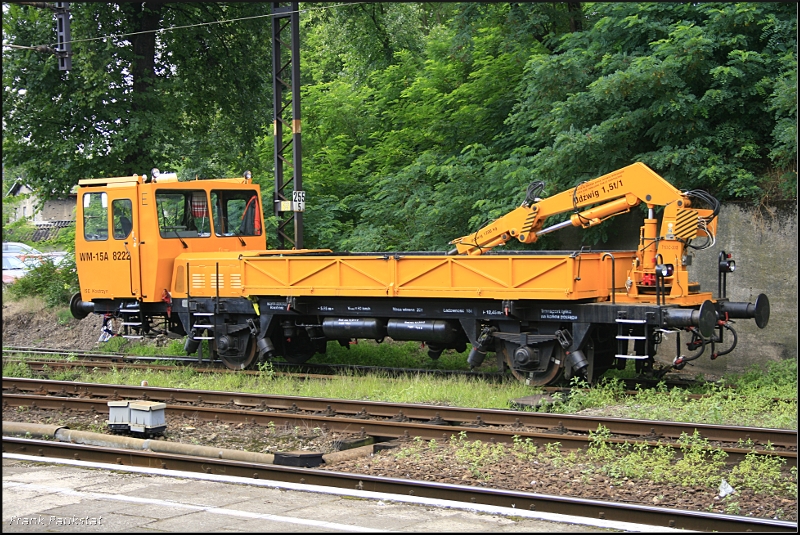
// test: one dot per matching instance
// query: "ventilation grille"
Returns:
(198, 281)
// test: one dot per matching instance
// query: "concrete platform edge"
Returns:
(478, 508)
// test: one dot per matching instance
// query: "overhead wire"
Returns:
(40, 48)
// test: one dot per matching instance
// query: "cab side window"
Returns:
(236, 213)
(122, 214)
(95, 216)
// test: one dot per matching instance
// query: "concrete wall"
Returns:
(26, 208)
(763, 242)
(58, 210)
(52, 210)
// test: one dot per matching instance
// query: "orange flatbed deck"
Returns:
(510, 275)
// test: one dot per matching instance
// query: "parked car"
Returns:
(29, 255)
(18, 248)
(13, 268)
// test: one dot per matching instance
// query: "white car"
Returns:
(29, 255)
(13, 268)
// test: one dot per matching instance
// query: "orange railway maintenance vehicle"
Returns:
(190, 258)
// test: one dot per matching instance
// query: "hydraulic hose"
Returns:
(733, 345)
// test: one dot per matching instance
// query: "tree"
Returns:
(363, 37)
(140, 95)
(398, 152)
(421, 121)
(698, 91)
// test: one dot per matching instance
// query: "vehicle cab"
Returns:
(129, 230)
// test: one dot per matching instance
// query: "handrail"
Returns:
(613, 276)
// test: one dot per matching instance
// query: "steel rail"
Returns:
(312, 368)
(453, 416)
(111, 361)
(303, 368)
(624, 512)
(82, 353)
(383, 429)
(43, 365)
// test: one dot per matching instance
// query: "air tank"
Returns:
(430, 331)
(346, 328)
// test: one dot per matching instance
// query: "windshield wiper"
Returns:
(238, 235)
(179, 237)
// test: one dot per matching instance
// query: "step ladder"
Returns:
(199, 321)
(623, 335)
(132, 318)
(202, 324)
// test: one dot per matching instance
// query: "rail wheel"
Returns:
(234, 362)
(551, 375)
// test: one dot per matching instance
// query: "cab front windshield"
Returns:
(183, 214)
(186, 213)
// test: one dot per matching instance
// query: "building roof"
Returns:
(16, 187)
(19, 184)
(44, 230)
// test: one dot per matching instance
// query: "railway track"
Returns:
(218, 367)
(649, 515)
(392, 420)
(107, 360)
(44, 367)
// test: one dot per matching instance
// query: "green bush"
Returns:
(54, 284)
(760, 473)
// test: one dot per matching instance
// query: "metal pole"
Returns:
(277, 126)
(297, 153)
(286, 76)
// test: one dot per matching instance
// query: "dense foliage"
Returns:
(439, 141)
(136, 98)
(421, 121)
(54, 284)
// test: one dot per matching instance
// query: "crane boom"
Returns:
(615, 193)
(660, 255)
